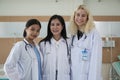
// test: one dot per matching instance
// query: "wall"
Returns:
(10, 32)
(103, 7)
(62, 7)
(37, 7)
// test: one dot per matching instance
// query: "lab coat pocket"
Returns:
(46, 63)
(66, 69)
(85, 67)
(47, 52)
(21, 71)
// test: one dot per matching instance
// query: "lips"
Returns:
(79, 21)
(34, 36)
(55, 31)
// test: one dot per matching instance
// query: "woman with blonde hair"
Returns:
(86, 46)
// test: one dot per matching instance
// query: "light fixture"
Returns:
(99, 0)
(56, 0)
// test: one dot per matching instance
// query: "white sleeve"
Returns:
(10, 66)
(96, 58)
(42, 47)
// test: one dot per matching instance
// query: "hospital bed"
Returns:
(116, 70)
(4, 79)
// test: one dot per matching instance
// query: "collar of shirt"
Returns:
(53, 41)
(29, 43)
(79, 34)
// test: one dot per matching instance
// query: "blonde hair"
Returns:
(88, 26)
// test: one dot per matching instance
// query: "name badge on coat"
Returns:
(85, 55)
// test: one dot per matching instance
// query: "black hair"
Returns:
(49, 33)
(29, 23)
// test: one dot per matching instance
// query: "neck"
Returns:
(30, 41)
(81, 28)
(57, 37)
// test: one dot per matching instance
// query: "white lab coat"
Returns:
(90, 69)
(22, 64)
(55, 57)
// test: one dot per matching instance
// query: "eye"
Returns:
(84, 15)
(58, 24)
(38, 30)
(78, 15)
(32, 29)
(52, 24)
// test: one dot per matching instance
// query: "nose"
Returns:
(35, 32)
(80, 17)
(55, 26)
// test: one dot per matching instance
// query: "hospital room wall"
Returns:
(11, 32)
(62, 7)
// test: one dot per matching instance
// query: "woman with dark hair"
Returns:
(24, 60)
(54, 48)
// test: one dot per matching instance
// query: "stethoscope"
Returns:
(26, 48)
(84, 51)
(69, 60)
(68, 52)
(74, 37)
(49, 47)
(68, 55)
(26, 45)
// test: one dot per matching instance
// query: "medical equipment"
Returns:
(74, 37)
(26, 44)
(68, 53)
(116, 70)
(49, 48)
(4, 79)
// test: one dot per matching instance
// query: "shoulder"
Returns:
(95, 34)
(94, 31)
(42, 43)
(17, 47)
(71, 38)
(68, 39)
(19, 44)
